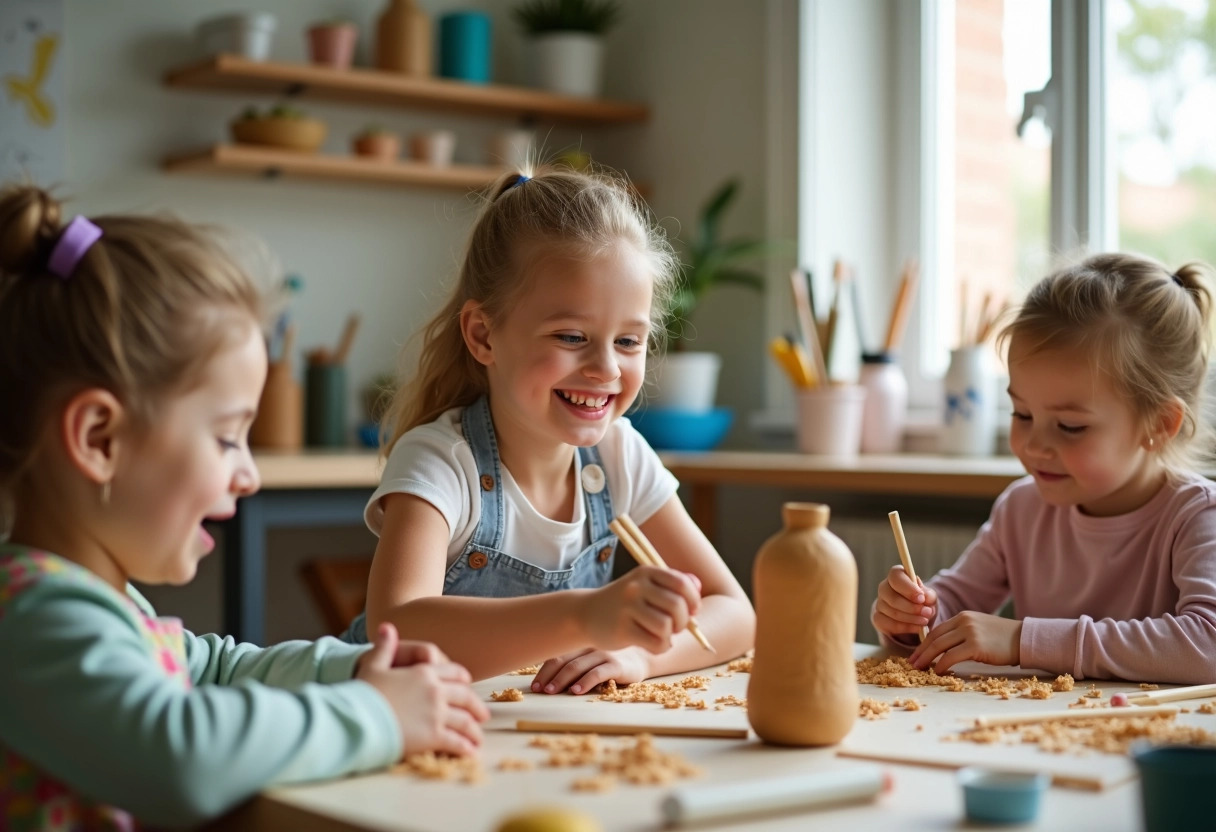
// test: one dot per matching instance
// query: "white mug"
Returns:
(435, 147)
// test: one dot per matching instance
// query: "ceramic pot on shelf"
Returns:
(403, 40)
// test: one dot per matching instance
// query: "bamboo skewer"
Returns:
(908, 279)
(544, 726)
(644, 553)
(1074, 714)
(840, 276)
(1172, 695)
(348, 338)
(806, 322)
(904, 557)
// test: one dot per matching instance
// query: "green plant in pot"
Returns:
(687, 379)
(565, 43)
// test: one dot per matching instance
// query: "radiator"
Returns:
(933, 546)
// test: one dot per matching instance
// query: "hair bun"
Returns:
(29, 223)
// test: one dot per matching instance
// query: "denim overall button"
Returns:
(604, 554)
(477, 560)
(487, 482)
(593, 478)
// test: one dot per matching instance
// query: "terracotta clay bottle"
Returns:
(403, 39)
(803, 685)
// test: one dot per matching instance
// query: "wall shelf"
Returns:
(232, 73)
(271, 162)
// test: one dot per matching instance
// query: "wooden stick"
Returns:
(1074, 714)
(644, 553)
(348, 337)
(806, 322)
(840, 276)
(908, 279)
(544, 726)
(906, 559)
(964, 340)
(1172, 695)
(990, 323)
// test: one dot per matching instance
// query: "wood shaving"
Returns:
(896, 672)
(1109, 736)
(1207, 708)
(873, 709)
(507, 695)
(1148, 686)
(514, 764)
(731, 699)
(1093, 692)
(1063, 683)
(637, 761)
(530, 670)
(431, 766)
(907, 704)
(668, 694)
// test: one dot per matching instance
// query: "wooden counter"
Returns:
(924, 797)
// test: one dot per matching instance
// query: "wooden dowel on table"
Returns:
(1172, 695)
(904, 557)
(1074, 714)
(644, 553)
(548, 727)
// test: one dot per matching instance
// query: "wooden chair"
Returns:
(338, 587)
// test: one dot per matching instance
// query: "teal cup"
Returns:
(325, 405)
(1177, 786)
(464, 46)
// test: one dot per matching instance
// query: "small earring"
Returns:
(105, 493)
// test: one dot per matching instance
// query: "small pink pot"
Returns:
(333, 44)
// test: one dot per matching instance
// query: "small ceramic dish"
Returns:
(994, 796)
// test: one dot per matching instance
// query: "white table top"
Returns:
(923, 797)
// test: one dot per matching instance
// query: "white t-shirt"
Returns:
(434, 462)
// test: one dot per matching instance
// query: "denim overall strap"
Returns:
(599, 505)
(478, 427)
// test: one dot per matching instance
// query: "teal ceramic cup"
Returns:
(325, 408)
(1177, 786)
(464, 46)
(994, 796)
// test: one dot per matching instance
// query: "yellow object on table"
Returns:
(550, 820)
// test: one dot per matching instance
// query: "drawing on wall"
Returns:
(31, 91)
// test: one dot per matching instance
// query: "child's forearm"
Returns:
(727, 622)
(490, 636)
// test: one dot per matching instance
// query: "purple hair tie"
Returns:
(72, 244)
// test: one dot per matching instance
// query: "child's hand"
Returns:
(409, 653)
(433, 703)
(970, 635)
(584, 669)
(643, 608)
(904, 605)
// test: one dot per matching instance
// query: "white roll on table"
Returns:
(716, 801)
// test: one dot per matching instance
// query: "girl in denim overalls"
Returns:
(130, 369)
(508, 457)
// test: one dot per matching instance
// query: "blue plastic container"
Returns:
(992, 796)
(1177, 786)
(464, 46)
(682, 430)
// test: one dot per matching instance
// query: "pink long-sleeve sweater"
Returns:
(1128, 597)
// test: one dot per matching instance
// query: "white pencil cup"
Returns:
(829, 420)
(969, 409)
(886, 409)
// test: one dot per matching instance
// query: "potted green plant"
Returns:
(566, 43)
(376, 142)
(687, 379)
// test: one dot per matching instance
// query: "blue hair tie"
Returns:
(523, 177)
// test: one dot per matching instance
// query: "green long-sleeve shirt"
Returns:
(87, 701)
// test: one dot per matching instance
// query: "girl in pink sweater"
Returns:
(1108, 548)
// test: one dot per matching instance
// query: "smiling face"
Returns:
(191, 465)
(570, 355)
(1078, 437)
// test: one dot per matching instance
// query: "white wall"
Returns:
(385, 252)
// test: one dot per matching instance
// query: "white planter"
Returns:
(247, 35)
(570, 63)
(685, 381)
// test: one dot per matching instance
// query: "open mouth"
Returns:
(587, 401)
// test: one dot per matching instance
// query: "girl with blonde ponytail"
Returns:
(508, 455)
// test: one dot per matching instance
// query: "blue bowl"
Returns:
(369, 434)
(992, 796)
(682, 430)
